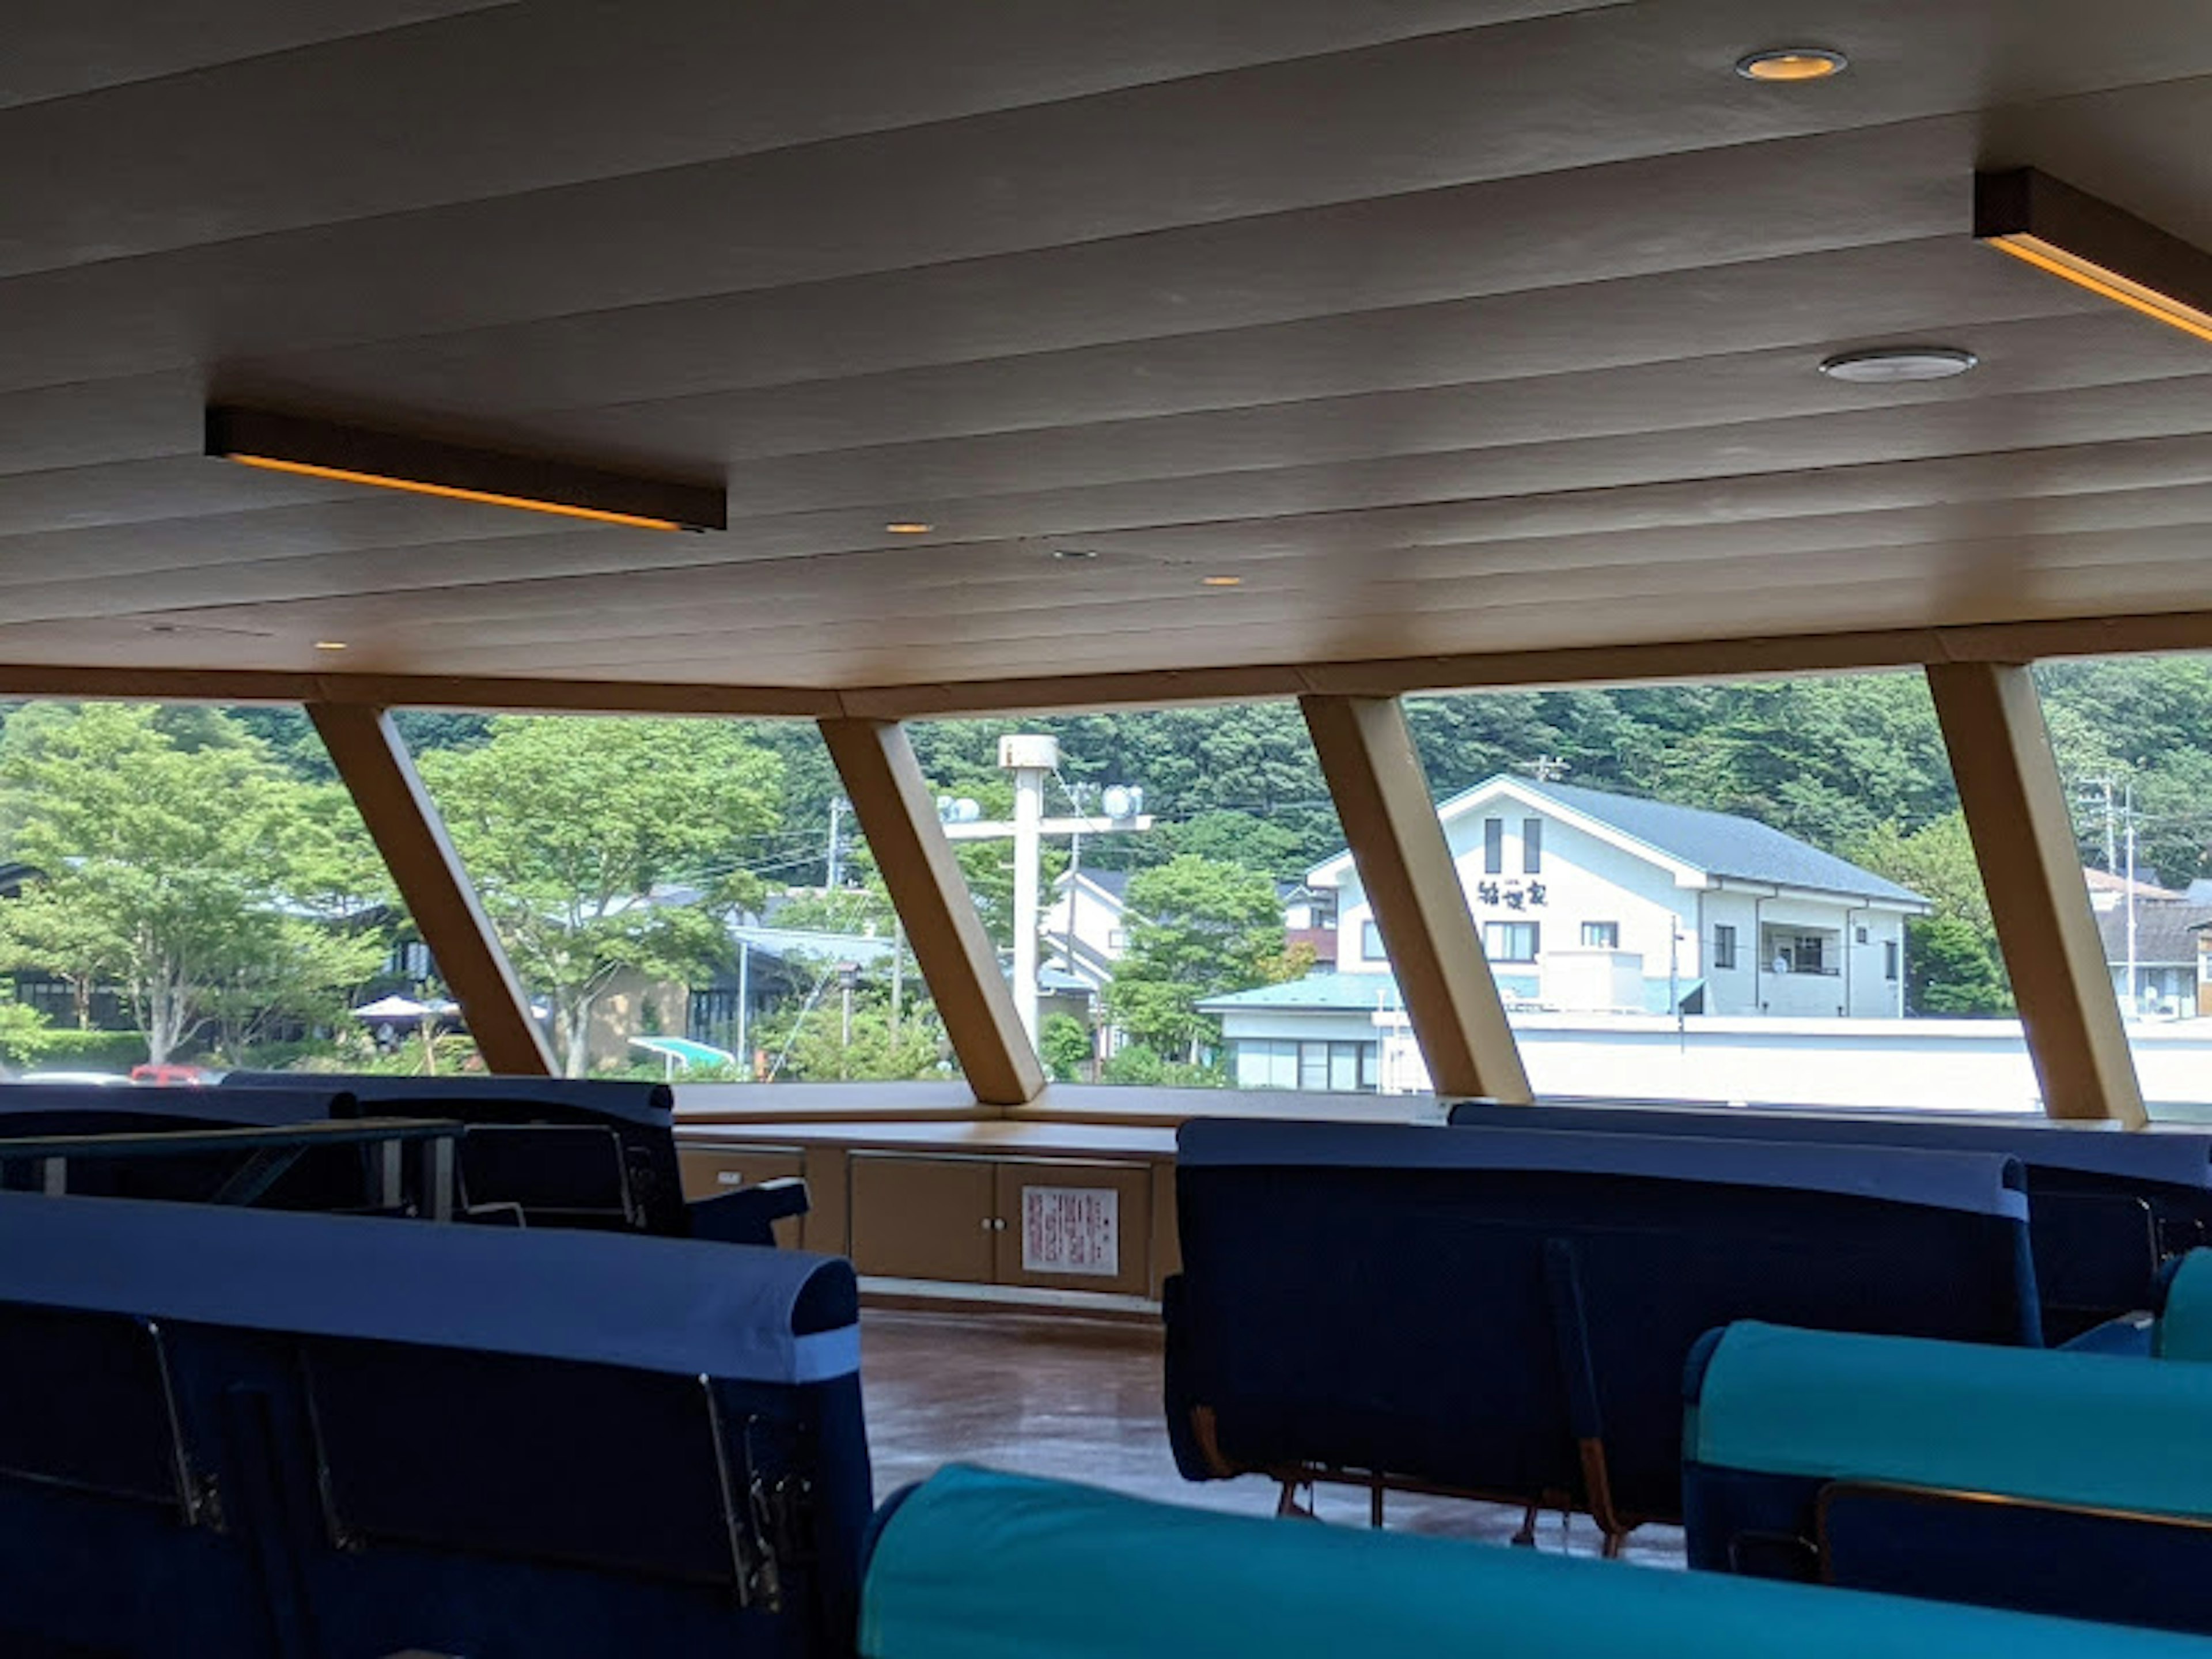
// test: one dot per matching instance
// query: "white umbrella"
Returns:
(393, 1007)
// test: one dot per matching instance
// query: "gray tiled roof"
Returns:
(1717, 842)
(2165, 932)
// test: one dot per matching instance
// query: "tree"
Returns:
(25, 1033)
(1952, 969)
(1198, 928)
(603, 844)
(170, 853)
(1064, 1046)
(1952, 965)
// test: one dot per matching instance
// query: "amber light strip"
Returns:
(2109, 284)
(414, 486)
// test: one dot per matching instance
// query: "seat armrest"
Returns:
(748, 1215)
(2130, 1334)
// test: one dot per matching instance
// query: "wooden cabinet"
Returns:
(924, 1217)
(1048, 1223)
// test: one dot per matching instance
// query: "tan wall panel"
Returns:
(1167, 1239)
(924, 1217)
(1131, 1187)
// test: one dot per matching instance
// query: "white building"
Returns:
(1086, 926)
(1595, 903)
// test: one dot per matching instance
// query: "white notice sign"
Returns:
(1072, 1230)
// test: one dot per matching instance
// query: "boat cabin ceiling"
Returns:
(1053, 347)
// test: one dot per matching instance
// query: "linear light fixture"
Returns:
(2095, 246)
(390, 460)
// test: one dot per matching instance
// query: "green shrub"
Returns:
(64, 1048)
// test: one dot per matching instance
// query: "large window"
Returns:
(1189, 864)
(190, 886)
(1764, 880)
(686, 899)
(2133, 739)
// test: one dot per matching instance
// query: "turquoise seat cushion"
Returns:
(978, 1566)
(2184, 1324)
(2066, 1427)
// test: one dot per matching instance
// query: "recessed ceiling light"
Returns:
(330, 645)
(1791, 64)
(1074, 553)
(909, 527)
(1221, 581)
(1891, 365)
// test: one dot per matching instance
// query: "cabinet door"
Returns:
(1075, 1226)
(708, 1170)
(923, 1218)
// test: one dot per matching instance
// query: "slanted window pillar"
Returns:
(898, 815)
(1389, 819)
(372, 762)
(2023, 836)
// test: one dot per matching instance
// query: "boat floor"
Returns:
(1079, 1399)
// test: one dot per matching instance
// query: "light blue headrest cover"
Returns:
(662, 1304)
(2109, 1430)
(975, 1565)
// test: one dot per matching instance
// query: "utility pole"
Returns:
(1030, 758)
(835, 877)
(2133, 1007)
(898, 975)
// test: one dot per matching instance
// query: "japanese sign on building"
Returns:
(1513, 895)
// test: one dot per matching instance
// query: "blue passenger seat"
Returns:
(2107, 1208)
(251, 1432)
(1506, 1315)
(977, 1566)
(2057, 1482)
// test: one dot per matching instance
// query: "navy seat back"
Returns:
(1486, 1313)
(332, 1178)
(642, 1116)
(2107, 1209)
(2046, 1482)
(315, 1434)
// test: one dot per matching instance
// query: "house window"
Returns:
(1493, 846)
(1601, 935)
(1889, 958)
(1863, 936)
(1724, 947)
(1117, 938)
(1532, 846)
(1371, 943)
(1808, 957)
(1510, 941)
(1313, 1067)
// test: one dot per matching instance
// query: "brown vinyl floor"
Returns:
(1079, 1399)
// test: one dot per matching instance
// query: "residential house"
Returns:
(1595, 903)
